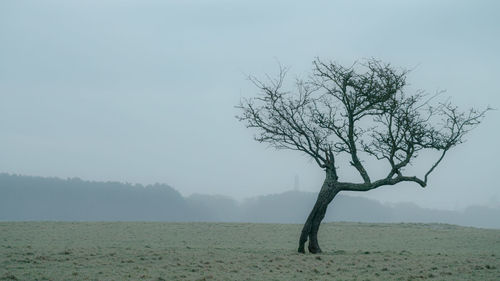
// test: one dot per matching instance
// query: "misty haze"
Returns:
(50, 199)
(228, 140)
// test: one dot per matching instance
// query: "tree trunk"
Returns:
(311, 227)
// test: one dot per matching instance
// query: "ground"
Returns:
(236, 251)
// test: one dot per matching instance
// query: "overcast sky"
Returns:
(144, 91)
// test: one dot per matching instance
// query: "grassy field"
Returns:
(227, 251)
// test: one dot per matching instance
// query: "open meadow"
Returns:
(238, 251)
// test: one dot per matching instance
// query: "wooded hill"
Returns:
(37, 198)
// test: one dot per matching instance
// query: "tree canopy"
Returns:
(363, 109)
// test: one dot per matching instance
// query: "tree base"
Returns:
(314, 250)
(301, 249)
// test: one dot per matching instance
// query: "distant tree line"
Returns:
(37, 198)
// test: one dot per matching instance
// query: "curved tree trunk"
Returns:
(311, 227)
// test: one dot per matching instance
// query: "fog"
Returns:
(25, 198)
(144, 91)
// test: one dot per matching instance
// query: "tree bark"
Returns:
(311, 226)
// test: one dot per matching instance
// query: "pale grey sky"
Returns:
(144, 91)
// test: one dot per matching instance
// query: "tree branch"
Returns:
(359, 108)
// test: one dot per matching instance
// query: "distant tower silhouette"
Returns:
(296, 183)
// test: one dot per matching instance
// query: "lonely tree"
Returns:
(350, 113)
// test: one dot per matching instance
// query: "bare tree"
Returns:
(359, 111)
